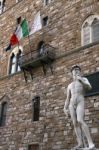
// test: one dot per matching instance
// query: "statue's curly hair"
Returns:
(75, 66)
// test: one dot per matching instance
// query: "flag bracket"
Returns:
(25, 74)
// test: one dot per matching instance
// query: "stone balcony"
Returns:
(37, 58)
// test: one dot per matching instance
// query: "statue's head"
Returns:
(76, 71)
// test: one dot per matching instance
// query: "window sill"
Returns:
(90, 44)
(10, 75)
(75, 50)
(2, 127)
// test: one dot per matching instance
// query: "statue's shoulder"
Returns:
(70, 85)
(84, 78)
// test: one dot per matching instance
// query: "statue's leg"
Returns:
(80, 119)
(76, 126)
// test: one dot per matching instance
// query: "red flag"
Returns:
(14, 40)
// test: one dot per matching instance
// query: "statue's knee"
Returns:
(80, 122)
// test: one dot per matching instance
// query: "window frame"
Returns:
(3, 113)
(2, 6)
(17, 51)
(89, 20)
(35, 144)
(45, 20)
(35, 110)
(46, 4)
(93, 25)
(91, 92)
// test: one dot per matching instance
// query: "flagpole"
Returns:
(29, 38)
(18, 45)
(2, 45)
(29, 43)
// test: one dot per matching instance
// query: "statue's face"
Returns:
(76, 72)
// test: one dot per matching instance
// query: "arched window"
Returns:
(36, 108)
(3, 114)
(13, 62)
(90, 30)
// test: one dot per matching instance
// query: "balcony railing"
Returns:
(36, 58)
(33, 59)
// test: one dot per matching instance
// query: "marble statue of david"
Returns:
(75, 103)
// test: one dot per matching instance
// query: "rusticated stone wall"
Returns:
(53, 131)
(63, 30)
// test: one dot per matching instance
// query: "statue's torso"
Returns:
(77, 92)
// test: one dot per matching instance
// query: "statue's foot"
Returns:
(91, 146)
(78, 147)
(88, 148)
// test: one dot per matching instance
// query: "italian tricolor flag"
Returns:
(21, 31)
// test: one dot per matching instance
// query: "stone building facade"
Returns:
(63, 31)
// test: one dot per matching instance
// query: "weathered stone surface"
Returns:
(53, 131)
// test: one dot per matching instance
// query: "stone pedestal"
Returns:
(85, 149)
